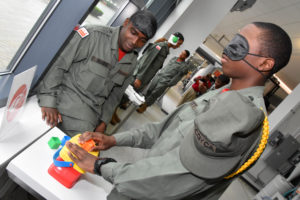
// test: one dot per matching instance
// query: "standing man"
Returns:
(167, 77)
(197, 151)
(152, 60)
(88, 79)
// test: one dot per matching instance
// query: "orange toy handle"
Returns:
(88, 145)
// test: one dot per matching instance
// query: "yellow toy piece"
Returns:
(64, 153)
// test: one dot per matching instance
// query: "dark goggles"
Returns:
(238, 48)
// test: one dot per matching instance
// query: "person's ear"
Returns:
(126, 22)
(267, 64)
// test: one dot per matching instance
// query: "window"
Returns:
(104, 12)
(17, 17)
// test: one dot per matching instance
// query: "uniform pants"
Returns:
(155, 90)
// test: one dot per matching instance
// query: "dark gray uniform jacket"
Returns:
(151, 61)
(86, 82)
(160, 175)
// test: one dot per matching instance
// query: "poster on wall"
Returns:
(16, 100)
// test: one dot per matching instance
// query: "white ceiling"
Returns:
(285, 13)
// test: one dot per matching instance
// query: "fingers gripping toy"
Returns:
(63, 169)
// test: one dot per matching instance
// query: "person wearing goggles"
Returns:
(197, 150)
(262, 58)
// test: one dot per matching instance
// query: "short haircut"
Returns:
(275, 43)
(187, 53)
(177, 34)
(145, 22)
(224, 79)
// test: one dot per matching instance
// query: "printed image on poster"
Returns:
(16, 100)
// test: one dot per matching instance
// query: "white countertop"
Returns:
(29, 127)
(30, 167)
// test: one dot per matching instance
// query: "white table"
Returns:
(30, 168)
(29, 127)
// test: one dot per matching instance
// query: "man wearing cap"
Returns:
(88, 79)
(166, 77)
(194, 151)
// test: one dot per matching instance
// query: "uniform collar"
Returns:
(252, 91)
(256, 91)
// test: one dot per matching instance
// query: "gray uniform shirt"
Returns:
(151, 61)
(87, 81)
(160, 174)
(172, 72)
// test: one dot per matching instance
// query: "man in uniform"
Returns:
(88, 79)
(167, 77)
(152, 60)
(196, 151)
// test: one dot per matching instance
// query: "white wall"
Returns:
(195, 20)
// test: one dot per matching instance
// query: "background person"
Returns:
(221, 80)
(152, 60)
(167, 77)
(148, 65)
(201, 85)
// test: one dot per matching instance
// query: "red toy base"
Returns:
(67, 176)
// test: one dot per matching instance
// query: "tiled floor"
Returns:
(238, 190)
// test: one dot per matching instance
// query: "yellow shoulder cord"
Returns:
(259, 150)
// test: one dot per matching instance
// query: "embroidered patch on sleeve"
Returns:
(82, 32)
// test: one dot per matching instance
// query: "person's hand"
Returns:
(101, 127)
(137, 83)
(102, 141)
(51, 115)
(81, 157)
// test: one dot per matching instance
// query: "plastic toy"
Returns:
(54, 142)
(63, 169)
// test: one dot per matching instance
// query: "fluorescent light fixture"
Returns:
(283, 85)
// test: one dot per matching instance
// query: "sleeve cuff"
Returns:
(107, 171)
(123, 139)
(105, 120)
(47, 101)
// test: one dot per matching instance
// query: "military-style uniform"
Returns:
(167, 77)
(160, 174)
(151, 61)
(87, 81)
